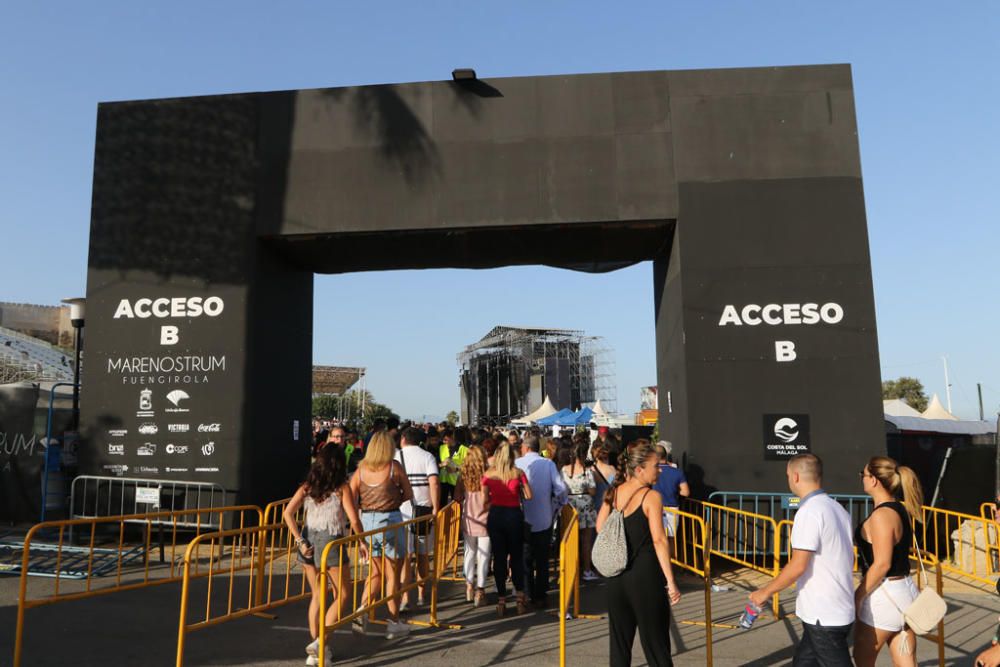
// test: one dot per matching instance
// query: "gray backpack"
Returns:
(610, 553)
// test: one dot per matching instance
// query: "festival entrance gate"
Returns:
(742, 187)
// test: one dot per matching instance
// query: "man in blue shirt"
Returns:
(672, 486)
(548, 495)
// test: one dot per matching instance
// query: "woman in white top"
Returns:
(582, 488)
(330, 511)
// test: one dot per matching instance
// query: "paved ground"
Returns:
(140, 628)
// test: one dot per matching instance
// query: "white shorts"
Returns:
(670, 523)
(878, 610)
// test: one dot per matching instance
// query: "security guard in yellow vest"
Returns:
(450, 459)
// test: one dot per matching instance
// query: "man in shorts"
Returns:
(422, 470)
(672, 485)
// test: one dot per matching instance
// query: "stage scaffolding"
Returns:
(510, 371)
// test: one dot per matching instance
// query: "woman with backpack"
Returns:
(641, 594)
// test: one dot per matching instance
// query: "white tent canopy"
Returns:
(936, 411)
(599, 410)
(897, 407)
(544, 410)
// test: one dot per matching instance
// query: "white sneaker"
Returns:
(396, 630)
(313, 660)
(360, 625)
(312, 648)
(590, 575)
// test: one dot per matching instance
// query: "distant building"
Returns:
(509, 372)
(48, 323)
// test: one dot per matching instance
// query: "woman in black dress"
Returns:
(640, 597)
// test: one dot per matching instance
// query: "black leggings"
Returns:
(637, 598)
(505, 526)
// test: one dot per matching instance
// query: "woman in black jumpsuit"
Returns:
(640, 597)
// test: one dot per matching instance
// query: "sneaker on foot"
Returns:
(394, 630)
(312, 648)
(313, 660)
(590, 575)
(360, 625)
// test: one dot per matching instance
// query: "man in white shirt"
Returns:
(548, 495)
(822, 563)
(422, 470)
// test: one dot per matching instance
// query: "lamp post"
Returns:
(77, 307)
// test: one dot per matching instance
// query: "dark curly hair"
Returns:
(327, 473)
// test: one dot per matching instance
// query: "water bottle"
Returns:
(750, 614)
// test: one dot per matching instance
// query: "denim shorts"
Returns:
(319, 539)
(391, 543)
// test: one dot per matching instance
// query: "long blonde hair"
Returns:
(473, 467)
(379, 452)
(900, 481)
(503, 463)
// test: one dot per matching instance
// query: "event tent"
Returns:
(544, 410)
(936, 411)
(554, 418)
(599, 410)
(582, 416)
(899, 408)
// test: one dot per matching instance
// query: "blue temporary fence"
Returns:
(781, 506)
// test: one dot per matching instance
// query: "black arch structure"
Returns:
(743, 187)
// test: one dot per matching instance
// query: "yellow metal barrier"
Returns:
(104, 555)
(745, 538)
(569, 573)
(446, 534)
(963, 544)
(692, 552)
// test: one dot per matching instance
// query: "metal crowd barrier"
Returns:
(964, 544)
(93, 496)
(745, 538)
(782, 506)
(692, 552)
(258, 575)
(569, 573)
(87, 570)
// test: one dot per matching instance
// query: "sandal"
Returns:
(501, 607)
(480, 598)
(522, 605)
(468, 592)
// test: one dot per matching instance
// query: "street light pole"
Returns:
(76, 318)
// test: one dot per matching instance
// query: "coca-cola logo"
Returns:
(209, 428)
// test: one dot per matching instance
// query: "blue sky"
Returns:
(927, 99)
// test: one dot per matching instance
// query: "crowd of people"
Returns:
(512, 485)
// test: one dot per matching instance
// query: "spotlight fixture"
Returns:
(463, 74)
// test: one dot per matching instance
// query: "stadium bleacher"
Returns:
(27, 358)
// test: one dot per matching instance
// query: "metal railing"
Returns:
(742, 537)
(692, 552)
(964, 544)
(109, 561)
(93, 496)
(782, 506)
(569, 573)
(258, 575)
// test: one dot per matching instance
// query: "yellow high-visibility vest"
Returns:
(444, 453)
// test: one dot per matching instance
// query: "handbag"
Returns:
(925, 612)
(927, 609)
